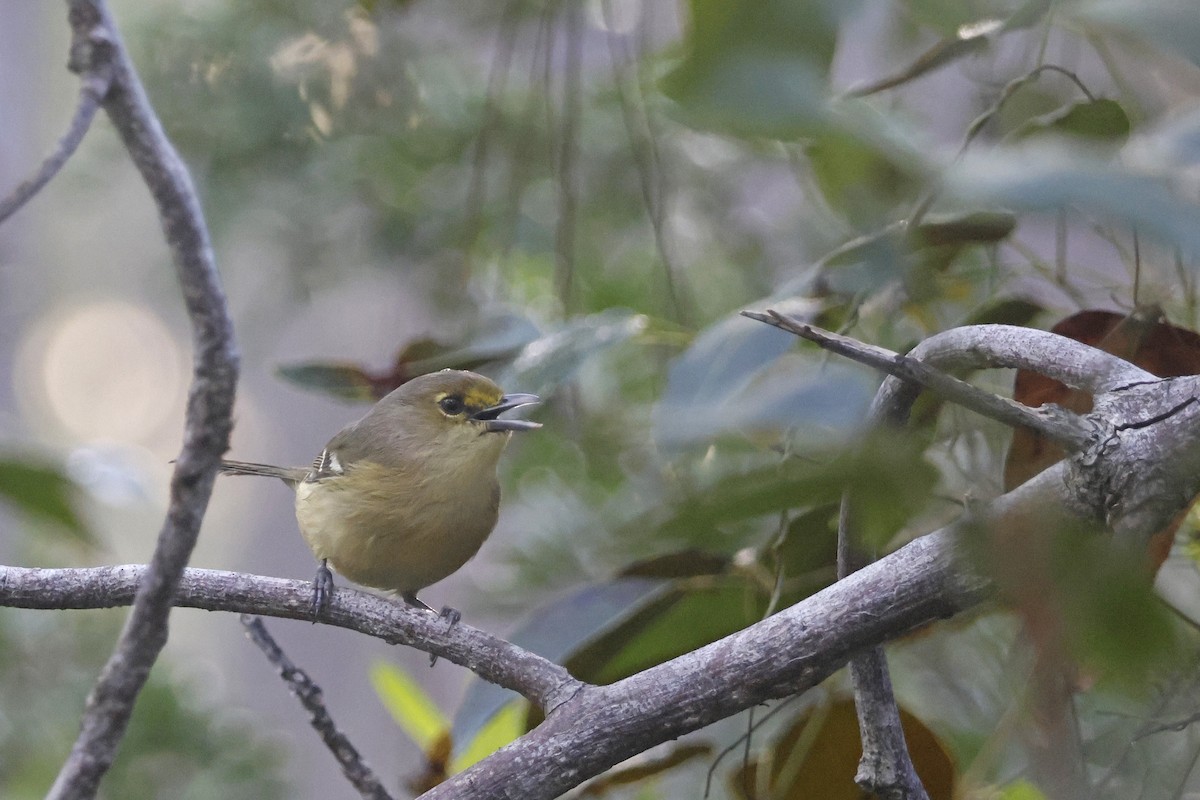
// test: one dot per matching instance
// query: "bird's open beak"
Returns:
(490, 415)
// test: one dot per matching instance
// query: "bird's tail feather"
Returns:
(290, 475)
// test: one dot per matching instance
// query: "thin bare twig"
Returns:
(977, 125)
(886, 768)
(1060, 426)
(311, 697)
(645, 154)
(522, 157)
(568, 158)
(96, 47)
(493, 101)
(94, 83)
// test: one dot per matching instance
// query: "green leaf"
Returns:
(45, 493)
(734, 500)
(950, 16)
(732, 381)
(1047, 177)
(972, 227)
(1100, 121)
(889, 252)
(809, 551)
(725, 356)
(1007, 311)
(889, 478)
(796, 398)
(688, 616)
(342, 380)
(682, 564)
(504, 726)
(495, 339)
(1171, 23)
(856, 177)
(1021, 790)
(551, 360)
(413, 710)
(554, 631)
(968, 40)
(757, 67)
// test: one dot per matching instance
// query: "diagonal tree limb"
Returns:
(1057, 424)
(96, 48)
(780, 656)
(361, 776)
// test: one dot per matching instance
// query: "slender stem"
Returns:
(96, 47)
(312, 698)
(1060, 426)
(93, 86)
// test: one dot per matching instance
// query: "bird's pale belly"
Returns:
(384, 542)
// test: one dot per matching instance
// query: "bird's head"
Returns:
(455, 405)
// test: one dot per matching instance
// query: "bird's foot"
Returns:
(322, 590)
(416, 602)
(454, 616)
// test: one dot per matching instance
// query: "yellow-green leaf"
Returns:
(505, 726)
(412, 709)
(1022, 790)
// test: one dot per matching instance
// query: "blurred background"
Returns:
(577, 198)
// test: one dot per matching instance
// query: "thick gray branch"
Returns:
(96, 48)
(782, 655)
(886, 768)
(545, 684)
(1144, 466)
(796, 648)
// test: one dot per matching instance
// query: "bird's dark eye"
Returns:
(451, 406)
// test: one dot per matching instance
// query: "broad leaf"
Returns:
(817, 756)
(553, 358)
(1173, 23)
(757, 67)
(1100, 121)
(504, 726)
(1044, 177)
(494, 340)
(42, 492)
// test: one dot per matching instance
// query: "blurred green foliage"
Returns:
(43, 492)
(176, 746)
(591, 193)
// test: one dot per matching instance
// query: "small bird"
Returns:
(406, 495)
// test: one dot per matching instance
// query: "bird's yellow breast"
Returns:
(400, 529)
